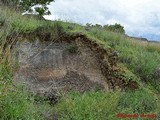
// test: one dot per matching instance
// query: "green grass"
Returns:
(13, 20)
(102, 105)
(72, 48)
(90, 106)
(16, 103)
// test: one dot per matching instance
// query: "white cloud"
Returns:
(139, 17)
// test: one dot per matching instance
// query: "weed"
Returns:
(139, 101)
(72, 48)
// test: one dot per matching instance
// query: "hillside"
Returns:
(62, 70)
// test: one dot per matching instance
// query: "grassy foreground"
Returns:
(141, 58)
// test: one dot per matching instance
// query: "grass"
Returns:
(72, 48)
(14, 21)
(140, 58)
(105, 106)
(91, 106)
(18, 104)
(15, 102)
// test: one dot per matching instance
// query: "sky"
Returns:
(140, 18)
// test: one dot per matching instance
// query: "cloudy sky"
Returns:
(140, 18)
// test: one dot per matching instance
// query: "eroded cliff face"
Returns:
(67, 64)
(45, 65)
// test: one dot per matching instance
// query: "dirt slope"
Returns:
(72, 62)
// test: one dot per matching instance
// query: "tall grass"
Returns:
(14, 21)
(105, 106)
(15, 102)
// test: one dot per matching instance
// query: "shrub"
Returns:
(115, 28)
(72, 48)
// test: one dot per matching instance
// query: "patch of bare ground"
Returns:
(70, 63)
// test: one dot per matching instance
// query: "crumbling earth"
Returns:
(70, 63)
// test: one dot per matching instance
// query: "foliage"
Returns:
(18, 104)
(115, 28)
(41, 9)
(15, 102)
(31, 6)
(9, 2)
(102, 105)
(97, 26)
(88, 24)
(90, 106)
(139, 101)
(72, 48)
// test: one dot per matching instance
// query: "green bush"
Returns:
(115, 28)
(72, 48)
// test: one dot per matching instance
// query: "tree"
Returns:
(39, 6)
(98, 26)
(115, 28)
(31, 6)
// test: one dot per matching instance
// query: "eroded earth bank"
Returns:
(69, 63)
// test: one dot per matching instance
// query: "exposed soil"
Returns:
(49, 65)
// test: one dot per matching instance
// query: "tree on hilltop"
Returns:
(31, 6)
(115, 28)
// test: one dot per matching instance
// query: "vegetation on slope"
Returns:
(101, 106)
(141, 58)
